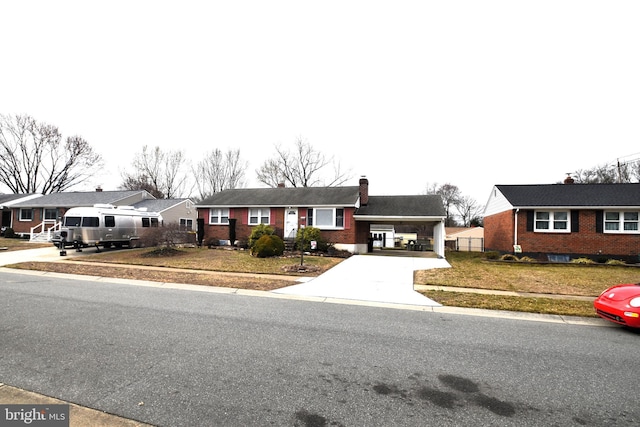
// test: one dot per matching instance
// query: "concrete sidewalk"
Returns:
(385, 279)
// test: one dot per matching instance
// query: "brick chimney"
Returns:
(364, 191)
(568, 179)
(98, 189)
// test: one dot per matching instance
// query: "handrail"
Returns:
(43, 230)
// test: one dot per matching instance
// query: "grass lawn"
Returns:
(471, 270)
(208, 267)
(19, 244)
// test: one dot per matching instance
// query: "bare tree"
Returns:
(35, 158)
(218, 171)
(301, 167)
(602, 174)
(160, 172)
(450, 197)
(468, 210)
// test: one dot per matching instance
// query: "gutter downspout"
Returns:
(515, 230)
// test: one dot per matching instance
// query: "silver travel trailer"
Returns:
(104, 225)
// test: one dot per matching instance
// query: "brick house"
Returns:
(561, 221)
(343, 214)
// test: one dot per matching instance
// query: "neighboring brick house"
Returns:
(6, 202)
(343, 214)
(37, 215)
(599, 221)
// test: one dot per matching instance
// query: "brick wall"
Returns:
(586, 242)
(498, 231)
(348, 235)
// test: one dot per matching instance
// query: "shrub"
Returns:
(9, 233)
(582, 261)
(259, 231)
(306, 235)
(267, 246)
(509, 257)
(168, 235)
(615, 262)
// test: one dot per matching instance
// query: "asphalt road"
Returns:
(184, 358)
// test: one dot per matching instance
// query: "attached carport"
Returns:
(426, 210)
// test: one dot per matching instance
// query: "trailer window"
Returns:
(72, 221)
(90, 221)
(154, 222)
(109, 221)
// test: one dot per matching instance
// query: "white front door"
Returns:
(290, 223)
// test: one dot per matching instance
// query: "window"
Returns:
(326, 218)
(109, 221)
(621, 222)
(26, 214)
(149, 222)
(72, 221)
(51, 214)
(90, 221)
(259, 216)
(186, 224)
(218, 216)
(552, 221)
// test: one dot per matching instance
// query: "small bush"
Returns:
(259, 231)
(582, 261)
(509, 257)
(9, 233)
(268, 245)
(306, 235)
(615, 262)
(528, 259)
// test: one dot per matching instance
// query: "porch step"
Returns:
(289, 244)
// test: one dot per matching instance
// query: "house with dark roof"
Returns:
(563, 221)
(6, 202)
(344, 215)
(37, 216)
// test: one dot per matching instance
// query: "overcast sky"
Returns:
(408, 93)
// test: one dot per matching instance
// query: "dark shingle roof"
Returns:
(290, 196)
(567, 195)
(403, 206)
(78, 198)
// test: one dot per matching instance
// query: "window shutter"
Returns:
(529, 220)
(575, 221)
(599, 221)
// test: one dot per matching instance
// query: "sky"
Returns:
(406, 93)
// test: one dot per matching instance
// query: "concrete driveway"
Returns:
(387, 279)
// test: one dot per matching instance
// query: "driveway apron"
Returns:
(384, 279)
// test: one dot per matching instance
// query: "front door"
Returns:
(290, 223)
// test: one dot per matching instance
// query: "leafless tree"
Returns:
(468, 210)
(450, 197)
(35, 158)
(301, 167)
(602, 174)
(218, 171)
(161, 172)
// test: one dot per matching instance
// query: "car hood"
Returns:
(622, 292)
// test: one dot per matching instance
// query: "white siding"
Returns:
(497, 203)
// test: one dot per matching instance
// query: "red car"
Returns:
(620, 304)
